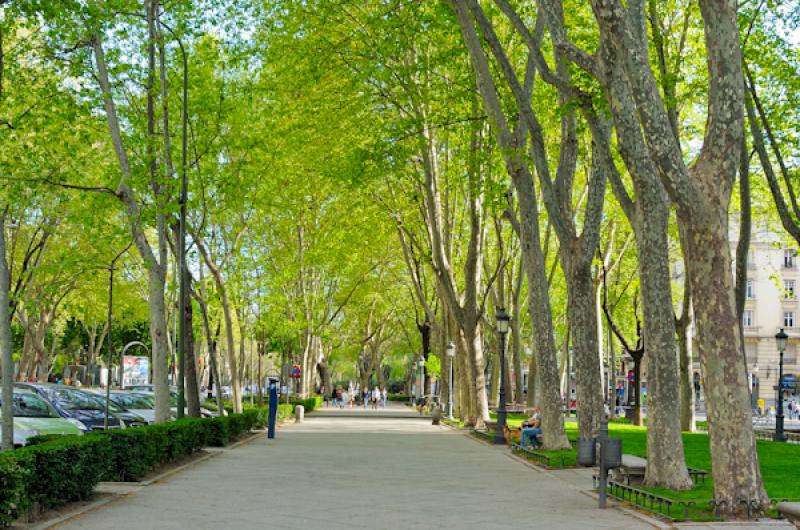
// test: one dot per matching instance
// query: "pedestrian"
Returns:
(376, 397)
(384, 397)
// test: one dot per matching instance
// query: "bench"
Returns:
(791, 511)
(631, 471)
(633, 468)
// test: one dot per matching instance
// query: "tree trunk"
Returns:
(494, 380)
(466, 388)
(6, 359)
(516, 338)
(666, 465)
(192, 392)
(236, 388)
(474, 341)
(734, 459)
(686, 378)
(583, 329)
(158, 337)
(636, 391)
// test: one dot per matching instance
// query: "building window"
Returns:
(790, 355)
(747, 318)
(788, 258)
(751, 291)
(788, 319)
(750, 352)
(788, 289)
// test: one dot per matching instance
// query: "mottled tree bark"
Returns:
(190, 361)
(156, 266)
(735, 468)
(538, 295)
(583, 326)
(6, 359)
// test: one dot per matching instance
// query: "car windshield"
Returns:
(32, 406)
(134, 401)
(77, 400)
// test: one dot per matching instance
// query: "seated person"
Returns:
(531, 428)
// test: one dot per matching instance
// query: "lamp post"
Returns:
(110, 327)
(781, 338)
(503, 320)
(451, 355)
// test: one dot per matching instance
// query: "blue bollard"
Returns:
(273, 408)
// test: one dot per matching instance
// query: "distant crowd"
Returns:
(356, 396)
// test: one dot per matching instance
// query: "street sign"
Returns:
(296, 372)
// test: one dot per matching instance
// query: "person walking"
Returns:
(384, 397)
(376, 397)
(365, 397)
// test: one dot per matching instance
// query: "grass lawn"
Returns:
(780, 463)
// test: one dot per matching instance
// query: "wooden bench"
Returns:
(791, 511)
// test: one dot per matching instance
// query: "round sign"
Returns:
(296, 373)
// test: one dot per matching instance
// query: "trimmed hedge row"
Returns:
(309, 404)
(63, 470)
(285, 411)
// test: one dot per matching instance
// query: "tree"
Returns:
(701, 192)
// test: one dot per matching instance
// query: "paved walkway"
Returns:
(346, 471)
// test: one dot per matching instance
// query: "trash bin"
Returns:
(612, 455)
(586, 452)
(437, 416)
(630, 414)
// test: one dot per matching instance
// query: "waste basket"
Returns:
(586, 452)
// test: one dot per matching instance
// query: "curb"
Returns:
(52, 523)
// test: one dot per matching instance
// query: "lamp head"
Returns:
(451, 349)
(503, 319)
(781, 338)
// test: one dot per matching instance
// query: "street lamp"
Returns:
(503, 320)
(781, 338)
(451, 354)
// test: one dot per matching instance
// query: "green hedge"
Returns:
(309, 404)
(51, 474)
(398, 397)
(285, 411)
(58, 471)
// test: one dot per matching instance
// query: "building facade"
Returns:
(772, 303)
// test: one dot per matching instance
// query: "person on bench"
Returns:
(531, 428)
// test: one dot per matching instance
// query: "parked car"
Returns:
(34, 416)
(173, 393)
(129, 418)
(140, 403)
(84, 407)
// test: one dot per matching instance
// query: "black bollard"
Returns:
(273, 408)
